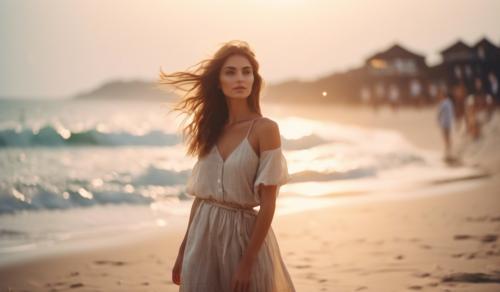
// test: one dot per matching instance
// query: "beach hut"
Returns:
(400, 68)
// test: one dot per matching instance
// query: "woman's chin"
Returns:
(239, 96)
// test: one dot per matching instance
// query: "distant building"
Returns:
(400, 76)
(417, 83)
(459, 60)
(488, 58)
(463, 63)
(395, 70)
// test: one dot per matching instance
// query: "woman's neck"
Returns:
(239, 111)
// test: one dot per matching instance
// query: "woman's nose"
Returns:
(239, 76)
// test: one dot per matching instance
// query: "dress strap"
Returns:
(251, 126)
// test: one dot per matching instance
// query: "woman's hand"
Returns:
(176, 271)
(241, 277)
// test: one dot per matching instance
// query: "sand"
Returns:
(446, 242)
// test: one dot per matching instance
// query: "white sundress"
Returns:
(220, 232)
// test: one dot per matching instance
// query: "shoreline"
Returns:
(402, 121)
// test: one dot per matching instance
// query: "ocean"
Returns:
(76, 173)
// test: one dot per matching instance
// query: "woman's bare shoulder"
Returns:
(265, 121)
(265, 124)
(268, 133)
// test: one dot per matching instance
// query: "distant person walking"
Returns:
(478, 109)
(445, 119)
(394, 97)
(494, 88)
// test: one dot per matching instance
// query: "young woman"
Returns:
(228, 245)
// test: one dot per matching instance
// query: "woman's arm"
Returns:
(269, 138)
(262, 223)
(269, 132)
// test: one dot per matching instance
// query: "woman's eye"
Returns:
(246, 72)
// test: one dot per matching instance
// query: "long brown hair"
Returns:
(204, 100)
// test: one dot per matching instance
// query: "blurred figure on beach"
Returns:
(479, 108)
(494, 90)
(459, 93)
(415, 93)
(394, 97)
(379, 96)
(445, 118)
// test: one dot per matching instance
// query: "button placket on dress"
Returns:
(220, 182)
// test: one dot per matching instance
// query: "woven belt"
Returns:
(229, 205)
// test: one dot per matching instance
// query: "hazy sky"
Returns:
(56, 48)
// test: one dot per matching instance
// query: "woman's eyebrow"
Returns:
(234, 68)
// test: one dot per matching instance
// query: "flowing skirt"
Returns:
(216, 241)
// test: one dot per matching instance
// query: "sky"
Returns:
(58, 48)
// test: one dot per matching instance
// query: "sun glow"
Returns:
(294, 128)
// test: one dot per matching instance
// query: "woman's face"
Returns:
(236, 77)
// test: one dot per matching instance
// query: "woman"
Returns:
(228, 245)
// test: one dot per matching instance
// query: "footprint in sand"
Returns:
(74, 274)
(302, 266)
(487, 238)
(55, 284)
(111, 263)
(422, 274)
(76, 285)
(467, 256)
(458, 255)
(425, 246)
(433, 284)
(472, 278)
(399, 257)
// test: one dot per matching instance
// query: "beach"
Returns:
(438, 236)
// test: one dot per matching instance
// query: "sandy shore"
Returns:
(415, 244)
(447, 242)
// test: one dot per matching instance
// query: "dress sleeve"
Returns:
(272, 170)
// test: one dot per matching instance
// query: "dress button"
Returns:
(218, 180)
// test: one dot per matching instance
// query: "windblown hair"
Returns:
(204, 100)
